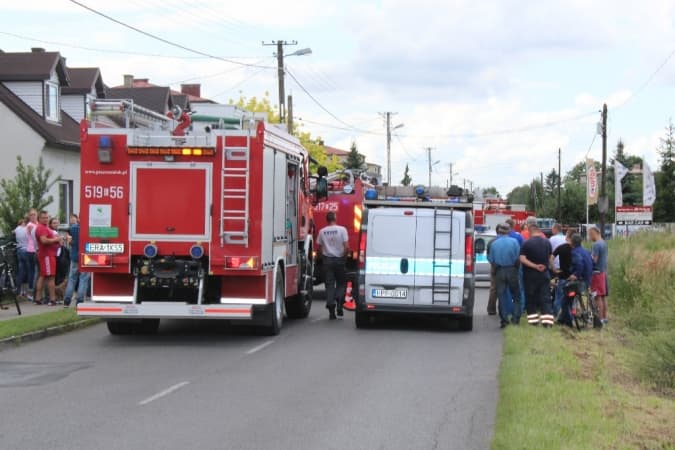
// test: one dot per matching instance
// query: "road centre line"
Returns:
(163, 393)
(257, 348)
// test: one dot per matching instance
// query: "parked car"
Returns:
(482, 264)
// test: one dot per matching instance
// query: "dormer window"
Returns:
(52, 107)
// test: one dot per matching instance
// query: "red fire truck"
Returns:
(208, 219)
(345, 197)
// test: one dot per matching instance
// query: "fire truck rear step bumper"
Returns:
(164, 310)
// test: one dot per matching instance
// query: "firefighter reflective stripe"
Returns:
(533, 319)
(380, 265)
(547, 319)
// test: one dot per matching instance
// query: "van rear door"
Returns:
(390, 250)
(439, 257)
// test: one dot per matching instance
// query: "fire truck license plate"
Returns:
(103, 247)
(390, 293)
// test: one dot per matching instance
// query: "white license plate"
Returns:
(390, 293)
(103, 247)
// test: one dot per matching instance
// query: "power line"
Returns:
(217, 74)
(100, 50)
(290, 74)
(236, 85)
(166, 41)
(647, 81)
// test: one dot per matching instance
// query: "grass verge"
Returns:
(609, 389)
(566, 390)
(26, 324)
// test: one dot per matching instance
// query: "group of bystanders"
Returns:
(522, 266)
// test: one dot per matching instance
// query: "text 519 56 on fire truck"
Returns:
(205, 217)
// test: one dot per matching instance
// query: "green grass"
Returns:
(609, 389)
(26, 324)
(564, 390)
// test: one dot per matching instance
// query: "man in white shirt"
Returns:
(333, 245)
(557, 239)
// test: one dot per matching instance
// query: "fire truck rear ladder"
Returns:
(441, 289)
(130, 112)
(239, 194)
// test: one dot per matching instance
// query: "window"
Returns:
(52, 102)
(65, 200)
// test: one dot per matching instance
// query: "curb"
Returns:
(15, 341)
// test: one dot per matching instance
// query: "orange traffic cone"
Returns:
(349, 304)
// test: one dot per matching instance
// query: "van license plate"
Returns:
(390, 293)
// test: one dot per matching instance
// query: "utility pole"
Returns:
(450, 167)
(281, 74)
(290, 114)
(387, 116)
(429, 160)
(603, 204)
(558, 212)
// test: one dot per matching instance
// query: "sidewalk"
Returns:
(27, 309)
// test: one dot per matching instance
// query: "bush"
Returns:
(642, 283)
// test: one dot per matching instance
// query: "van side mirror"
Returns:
(479, 246)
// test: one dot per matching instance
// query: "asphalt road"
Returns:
(404, 384)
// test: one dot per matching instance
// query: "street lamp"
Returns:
(301, 52)
(281, 72)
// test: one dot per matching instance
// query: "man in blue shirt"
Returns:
(76, 279)
(504, 255)
(581, 271)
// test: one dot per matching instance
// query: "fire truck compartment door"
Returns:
(170, 201)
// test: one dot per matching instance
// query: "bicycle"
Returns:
(582, 307)
(7, 271)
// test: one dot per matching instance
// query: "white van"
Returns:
(416, 257)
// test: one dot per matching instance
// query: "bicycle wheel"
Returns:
(595, 317)
(580, 313)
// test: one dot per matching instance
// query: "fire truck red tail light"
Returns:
(89, 260)
(241, 262)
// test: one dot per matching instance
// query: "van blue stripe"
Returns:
(378, 265)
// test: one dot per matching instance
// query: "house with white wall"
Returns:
(41, 104)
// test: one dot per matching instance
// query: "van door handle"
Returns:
(404, 265)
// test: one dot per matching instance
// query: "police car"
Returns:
(417, 257)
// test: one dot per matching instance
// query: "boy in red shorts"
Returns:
(48, 246)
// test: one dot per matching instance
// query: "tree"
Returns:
(28, 189)
(355, 160)
(491, 192)
(551, 184)
(519, 195)
(314, 145)
(664, 206)
(407, 180)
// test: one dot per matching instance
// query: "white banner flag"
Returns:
(619, 172)
(648, 185)
(591, 183)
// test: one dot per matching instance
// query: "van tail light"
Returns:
(362, 250)
(468, 253)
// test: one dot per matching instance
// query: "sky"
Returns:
(494, 88)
